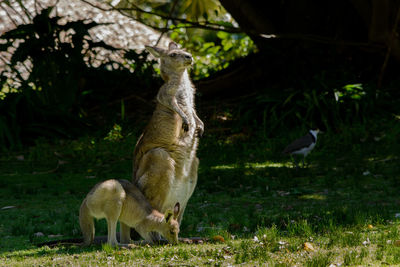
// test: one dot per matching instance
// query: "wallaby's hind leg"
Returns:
(112, 232)
(192, 183)
(112, 211)
(125, 231)
(156, 168)
(87, 224)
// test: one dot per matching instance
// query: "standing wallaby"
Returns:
(165, 162)
(120, 200)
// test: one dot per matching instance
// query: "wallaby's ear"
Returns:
(172, 46)
(177, 209)
(168, 215)
(155, 51)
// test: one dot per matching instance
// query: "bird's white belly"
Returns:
(304, 151)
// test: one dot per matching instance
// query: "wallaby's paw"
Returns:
(200, 131)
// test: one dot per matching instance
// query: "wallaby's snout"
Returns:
(188, 59)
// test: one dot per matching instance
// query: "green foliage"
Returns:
(114, 134)
(213, 51)
(312, 105)
(202, 9)
(50, 82)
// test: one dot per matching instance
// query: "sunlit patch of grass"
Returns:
(319, 259)
(224, 167)
(257, 165)
(268, 164)
(313, 196)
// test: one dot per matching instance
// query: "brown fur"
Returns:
(165, 162)
(120, 200)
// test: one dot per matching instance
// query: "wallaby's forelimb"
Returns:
(169, 100)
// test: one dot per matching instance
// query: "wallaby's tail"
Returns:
(86, 222)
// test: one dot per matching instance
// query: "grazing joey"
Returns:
(120, 200)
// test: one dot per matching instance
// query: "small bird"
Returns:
(303, 145)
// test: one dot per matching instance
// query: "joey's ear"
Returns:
(172, 46)
(168, 215)
(155, 51)
(177, 209)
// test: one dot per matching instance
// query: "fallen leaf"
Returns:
(308, 246)
(53, 236)
(370, 226)
(38, 234)
(8, 207)
(132, 246)
(218, 238)
(397, 243)
(366, 242)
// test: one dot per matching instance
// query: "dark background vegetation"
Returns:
(277, 66)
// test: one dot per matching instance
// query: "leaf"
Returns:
(222, 35)
(308, 246)
(8, 207)
(218, 238)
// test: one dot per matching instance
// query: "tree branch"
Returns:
(203, 25)
(166, 21)
(217, 27)
(318, 39)
(389, 48)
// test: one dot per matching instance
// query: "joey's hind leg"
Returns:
(155, 176)
(112, 211)
(125, 233)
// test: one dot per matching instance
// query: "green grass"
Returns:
(344, 204)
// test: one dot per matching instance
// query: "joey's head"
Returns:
(172, 60)
(170, 227)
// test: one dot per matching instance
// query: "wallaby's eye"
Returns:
(172, 55)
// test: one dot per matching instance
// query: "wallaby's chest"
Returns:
(184, 96)
(179, 191)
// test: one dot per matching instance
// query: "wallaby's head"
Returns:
(172, 59)
(171, 226)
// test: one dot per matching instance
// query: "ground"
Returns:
(250, 203)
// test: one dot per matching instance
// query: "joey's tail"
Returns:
(86, 222)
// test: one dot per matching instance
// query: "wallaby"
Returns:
(120, 200)
(165, 162)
